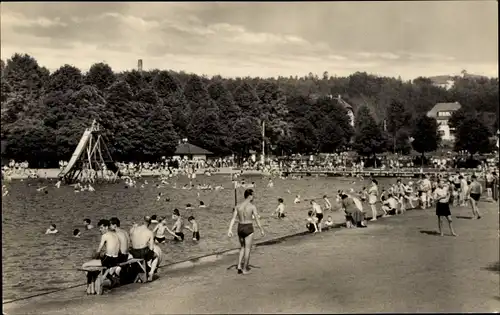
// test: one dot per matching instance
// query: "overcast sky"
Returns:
(406, 39)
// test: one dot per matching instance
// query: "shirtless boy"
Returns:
(122, 237)
(142, 239)
(178, 226)
(318, 212)
(245, 211)
(111, 244)
(194, 228)
(159, 231)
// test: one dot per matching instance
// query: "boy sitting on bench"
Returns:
(111, 244)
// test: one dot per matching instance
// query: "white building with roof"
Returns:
(442, 113)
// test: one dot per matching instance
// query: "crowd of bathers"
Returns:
(395, 199)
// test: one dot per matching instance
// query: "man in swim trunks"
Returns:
(111, 242)
(122, 236)
(142, 239)
(318, 212)
(245, 211)
(489, 184)
(475, 191)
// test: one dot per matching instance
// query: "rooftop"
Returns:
(188, 148)
(442, 107)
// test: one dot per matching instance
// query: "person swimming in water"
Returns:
(77, 233)
(52, 229)
(245, 211)
(202, 204)
(87, 225)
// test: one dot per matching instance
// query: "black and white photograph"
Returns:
(238, 157)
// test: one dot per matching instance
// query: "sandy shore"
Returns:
(397, 264)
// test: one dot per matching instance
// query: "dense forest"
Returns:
(146, 113)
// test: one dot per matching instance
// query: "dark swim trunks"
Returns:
(196, 236)
(319, 216)
(245, 229)
(108, 261)
(142, 253)
(181, 235)
(122, 257)
(457, 186)
(475, 196)
(160, 239)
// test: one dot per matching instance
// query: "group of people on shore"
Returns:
(456, 190)
(142, 242)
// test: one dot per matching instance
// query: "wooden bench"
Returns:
(141, 277)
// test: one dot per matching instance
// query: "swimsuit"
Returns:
(196, 236)
(245, 229)
(160, 239)
(143, 253)
(475, 196)
(180, 234)
(319, 216)
(108, 261)
(122, 257)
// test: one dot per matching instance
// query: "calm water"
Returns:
(33, 262)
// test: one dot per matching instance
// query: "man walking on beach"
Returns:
(245, 211)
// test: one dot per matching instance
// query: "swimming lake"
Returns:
(35, 263)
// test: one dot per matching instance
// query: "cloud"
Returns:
(222, 38)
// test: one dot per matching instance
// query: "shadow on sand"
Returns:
(495, 267)
(430, 232)
(463, 217)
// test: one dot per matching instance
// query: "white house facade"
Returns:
(442, 113)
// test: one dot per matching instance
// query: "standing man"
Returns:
(318, 212)
(245, 211)
(475, 191)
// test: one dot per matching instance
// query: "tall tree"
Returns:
(397, 118)
(368, 138)
(135, 80)
(247, 100)
(25, 77)
(332, 124)
(225, 102)
(425, 135)
(473, 136)
(100, 75)
(205, 130)
(121, 119)
(156, 134)
(196, 94)
(247, 136)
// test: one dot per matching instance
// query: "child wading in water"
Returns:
(194, 228)
(312, 222)
(178, 226)
(280, 210)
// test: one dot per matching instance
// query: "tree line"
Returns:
(145, 113)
